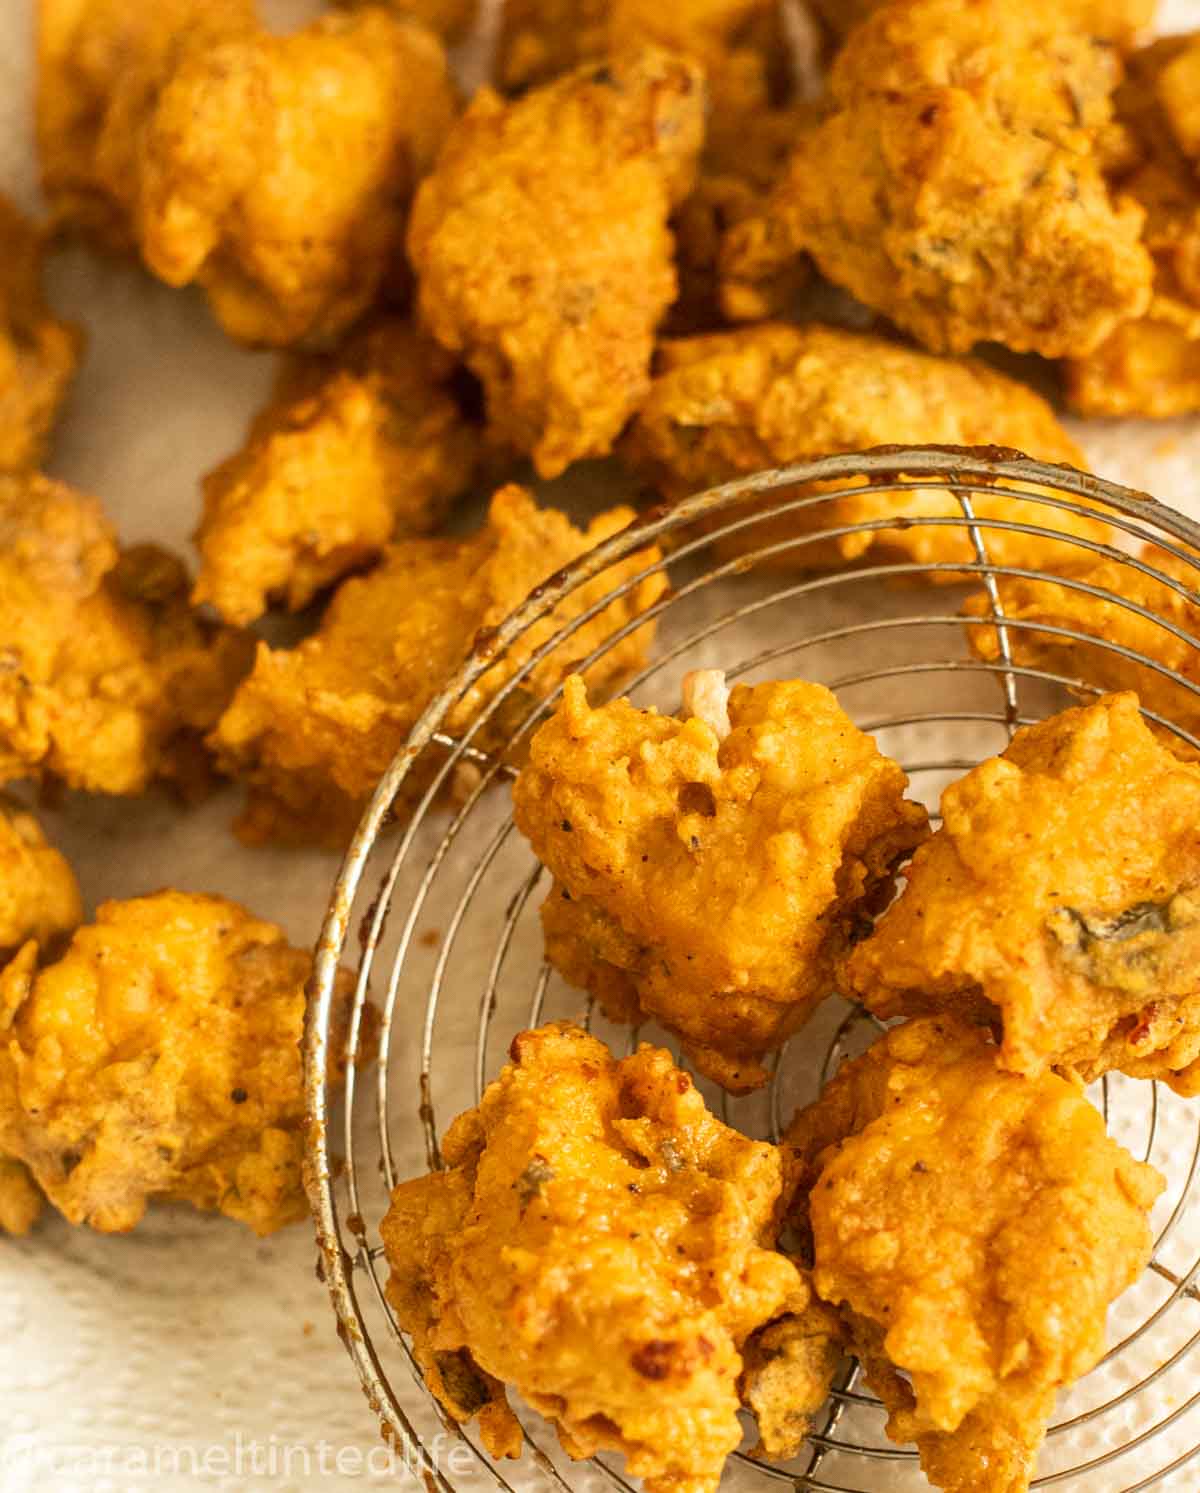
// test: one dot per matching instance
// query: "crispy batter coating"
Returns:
(1057, 603)
(710, 884)
(736, 402)
(101, 65)
(789, 1367)
(107, 679)
(20, 1201)
(974, 1227)
(1061, 901)
(1119, 21)
(38, 354)
(1146, 158)
(351, 452)
(39, 896)
(954, 183)
(314, 727)
(452, 19)
(1151, 366)
(743, 50)
(1147, 367)
(739, 43)
(1179, 90)
(159, 1057)
(541, 246)
(271, 169)
(604, 1244)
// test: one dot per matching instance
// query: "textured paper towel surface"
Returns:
(187, 1355)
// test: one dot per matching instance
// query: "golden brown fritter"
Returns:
(313, 728)
(1119, 21)
(1151, 366)
(974, 1227)
(751, 119)
(273, 170)
(101, 66)
(603, 1244)
(1060, 900)
(542, 252)
(709, 871)
(954, 183)
(107, 679)
(1056, 603)
(38, 354)
(159, 1058)
(39, 896)
(452, 19)
(732, 403)
(351, 452)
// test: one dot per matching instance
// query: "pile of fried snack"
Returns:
(949, 1210)
(605, 252)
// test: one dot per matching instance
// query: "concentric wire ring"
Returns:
(449, 943)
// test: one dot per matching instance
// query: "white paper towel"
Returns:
(187, 1355)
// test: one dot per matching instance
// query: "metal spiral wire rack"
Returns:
(439, 918)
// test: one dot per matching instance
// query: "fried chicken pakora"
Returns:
(709, 871)
(272, 170)
(313, 728)
(732, 403)
(39, 896)
(159, 1058)
(602, 1243)
(1059, 604)
(954, 183)
(1059, 901)
(107, 678)
(351, 452)
(974, 1227)
(1151, 365)
(542, 251)
(101, 66)
(742, 47)
(38, 353)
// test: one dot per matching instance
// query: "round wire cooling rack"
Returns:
(440, 918)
